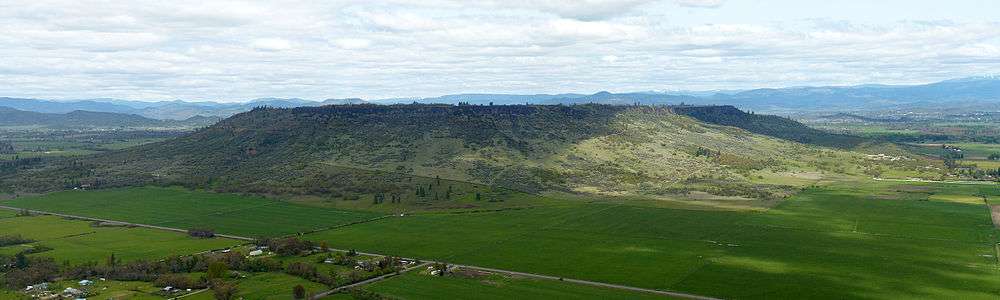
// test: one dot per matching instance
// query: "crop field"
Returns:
(847, 240)
(413, 286)
(78, 242)
(181, 208)
(826, 242)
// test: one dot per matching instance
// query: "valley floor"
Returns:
(861, 239)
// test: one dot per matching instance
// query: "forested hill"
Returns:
(770, 125)
(342, 150)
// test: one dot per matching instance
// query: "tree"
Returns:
(216, 270)
(201, 233)
(224, 290)
(299, 292)
(20, 260)
(112, 261)
(995, 156)
(479, 196)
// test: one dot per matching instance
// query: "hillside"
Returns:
(768, 125)
(89, 119)
(645, 152)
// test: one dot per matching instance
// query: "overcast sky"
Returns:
(237, 50)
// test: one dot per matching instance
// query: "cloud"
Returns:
(700, 3)
(352, 43)
(271, 44)
(237, 50)
(586, 10)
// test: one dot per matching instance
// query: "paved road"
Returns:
(425, 262)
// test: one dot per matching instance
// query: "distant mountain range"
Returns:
(163, 110)
(959, 95)
(91, 119)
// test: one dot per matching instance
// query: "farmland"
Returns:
(415, 286)
(180, 208)
(832, 241)
(76, 241)
(844, 240)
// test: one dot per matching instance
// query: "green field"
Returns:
(78, 242)
(266, 286)
(414, 286)
(181, 208)
(871, 239)
(826, 242)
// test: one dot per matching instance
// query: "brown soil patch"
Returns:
(912, 188)
(887, 197)
(470, 273)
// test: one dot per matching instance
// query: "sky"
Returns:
(239, 50)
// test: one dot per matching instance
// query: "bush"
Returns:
(201, 233)
(181, 281)
(303, 270)
(265, 264)
(10, 240)
(299, 292)
(224, 290)
(36, 270)
(216, 270)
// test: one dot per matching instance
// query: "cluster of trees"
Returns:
(393, 198)
(994, 156)
(22, 270)
(201, 233)
(288, 246)
(976, 173)
(775, 126)
(9, 240)
(434, 190)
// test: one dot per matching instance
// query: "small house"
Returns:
(256, 253)
(85, 282)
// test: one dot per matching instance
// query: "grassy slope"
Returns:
(350, 152)
(78, 242)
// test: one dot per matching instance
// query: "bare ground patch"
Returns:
(912, 188)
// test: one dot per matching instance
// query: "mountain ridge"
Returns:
(589, 149)
(962, 94)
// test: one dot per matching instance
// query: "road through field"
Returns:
(532, 275)
(119, 222)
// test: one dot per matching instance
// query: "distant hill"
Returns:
(641, 151)
(163, 110)
(959, 94)
(89, 119)
(969, 94)
(951, 96)
(59, 107)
